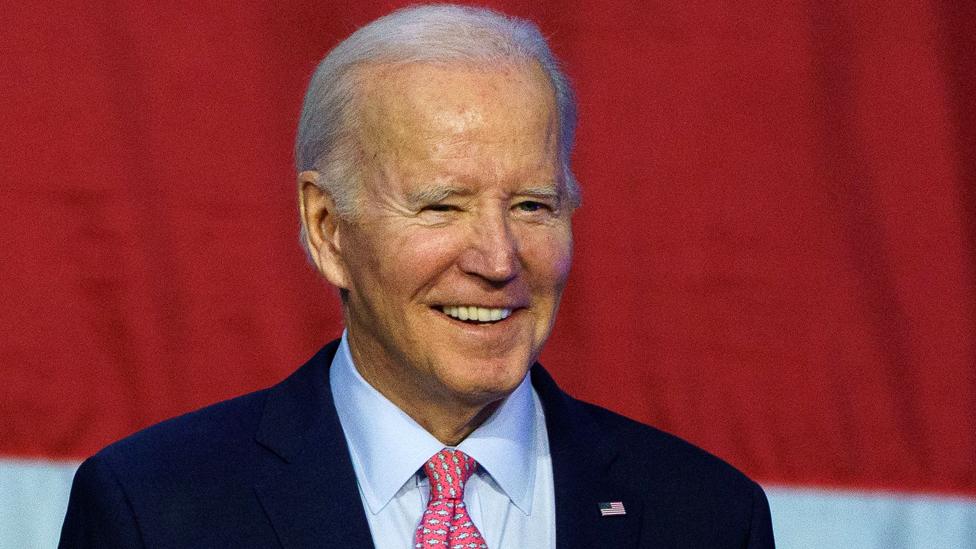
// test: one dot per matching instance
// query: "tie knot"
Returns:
(448, 470)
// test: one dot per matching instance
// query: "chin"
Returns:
(485, 381)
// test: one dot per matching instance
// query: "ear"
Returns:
(322, 229)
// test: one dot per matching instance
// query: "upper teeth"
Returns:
(472, 312)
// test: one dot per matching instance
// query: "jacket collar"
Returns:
(311, 497)
(584, 474)
(312, 494)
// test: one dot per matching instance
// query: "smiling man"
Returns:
(458, 246)
(436, 195)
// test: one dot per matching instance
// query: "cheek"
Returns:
(415, 258)
(550, 255)
(373, 264)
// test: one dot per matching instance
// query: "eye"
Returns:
(439, 208)
(531, 206)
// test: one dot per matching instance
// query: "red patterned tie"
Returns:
(446, 523)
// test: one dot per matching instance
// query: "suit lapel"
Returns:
(310, 495)
(584, 476)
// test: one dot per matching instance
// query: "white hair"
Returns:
(438, 33)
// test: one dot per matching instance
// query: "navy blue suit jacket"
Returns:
(272, 469)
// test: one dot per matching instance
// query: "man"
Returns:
(436, 195)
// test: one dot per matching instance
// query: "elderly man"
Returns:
(436, 195)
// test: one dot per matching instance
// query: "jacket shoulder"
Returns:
(705, 501)
(666, 457)
(194, 480)
(685, 496)
(168, 484)
(216, 431)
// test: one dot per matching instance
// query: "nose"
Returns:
(492, 249)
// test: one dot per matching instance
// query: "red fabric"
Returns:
(775, 257)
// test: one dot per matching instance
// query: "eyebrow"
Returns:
(546, 192)
(437, 193)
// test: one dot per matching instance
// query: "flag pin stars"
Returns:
(611, 508)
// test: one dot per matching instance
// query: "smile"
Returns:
(473, 313)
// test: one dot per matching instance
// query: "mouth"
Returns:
(473, 314)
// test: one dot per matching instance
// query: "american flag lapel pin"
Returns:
(611, 508)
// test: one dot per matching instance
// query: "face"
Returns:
(455, 262)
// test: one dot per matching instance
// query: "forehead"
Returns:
(433, 111)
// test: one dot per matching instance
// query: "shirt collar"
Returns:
(388, 447)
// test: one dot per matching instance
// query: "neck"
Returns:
(449, 427)
(449, 417)
(449, 420)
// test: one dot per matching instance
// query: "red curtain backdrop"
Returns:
(775, 257)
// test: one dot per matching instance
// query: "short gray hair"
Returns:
(439, 33)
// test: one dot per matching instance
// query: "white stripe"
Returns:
(33, 499)
(870, 520)
(34, 496)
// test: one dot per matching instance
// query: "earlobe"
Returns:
(321, 228)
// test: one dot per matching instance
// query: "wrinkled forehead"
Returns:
(427, 106)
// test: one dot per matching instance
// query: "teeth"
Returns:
(472, 312)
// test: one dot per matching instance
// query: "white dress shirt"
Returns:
(510, 496)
